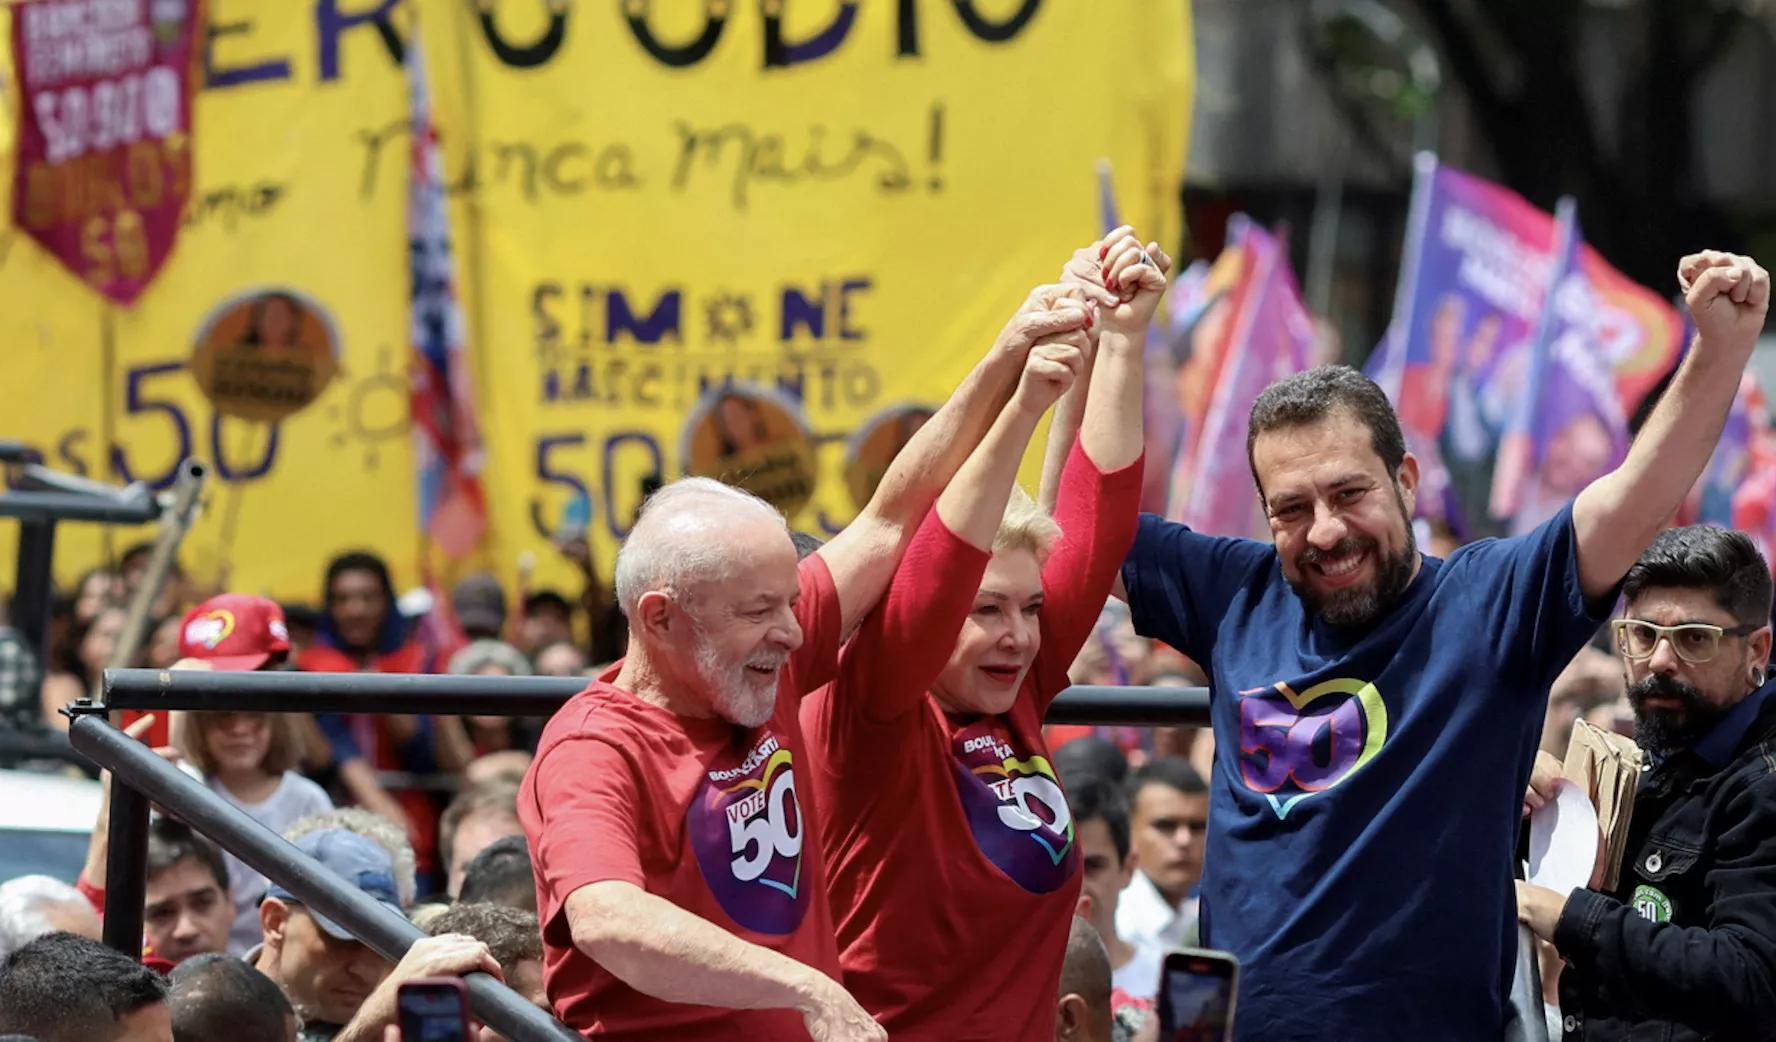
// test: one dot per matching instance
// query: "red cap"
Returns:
(234, 632)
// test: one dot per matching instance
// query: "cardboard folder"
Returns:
(1607, 766)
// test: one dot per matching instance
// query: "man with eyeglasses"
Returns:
(1684, 947)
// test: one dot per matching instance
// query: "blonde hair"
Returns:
(190, 733)
(391, 837)
(1026, 527)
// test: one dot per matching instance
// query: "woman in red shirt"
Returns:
(952, 868)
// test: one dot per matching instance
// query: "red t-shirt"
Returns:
(950, 850)
(707, 815)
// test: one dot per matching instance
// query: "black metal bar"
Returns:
(133, 509)
(288, 692)
(31, 593)
(291, 692)
(1131, 706)
(17, 746)
(389, 934)
(126, 868)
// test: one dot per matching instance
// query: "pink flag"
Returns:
(1268, 335)
(1754, 504)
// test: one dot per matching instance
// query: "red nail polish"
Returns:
(1103, 251)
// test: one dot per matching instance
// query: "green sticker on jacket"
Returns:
(1651, 904)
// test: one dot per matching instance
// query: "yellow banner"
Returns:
(832, 206)
(278, 204)
(839, 203)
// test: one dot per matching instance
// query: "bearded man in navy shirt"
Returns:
(1376, 712)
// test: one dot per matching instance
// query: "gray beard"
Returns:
(734, 698)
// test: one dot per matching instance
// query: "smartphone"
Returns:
(434, 1009)
(1196, 996)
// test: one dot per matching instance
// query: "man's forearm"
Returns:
(1683, 430)
(1707, 979)
(1617, 516)
(863, 556)
(662, 950)
(364, 1027)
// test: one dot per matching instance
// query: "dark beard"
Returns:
(1359, 605)
(1665, 731)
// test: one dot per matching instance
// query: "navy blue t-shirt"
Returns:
(1368, 783)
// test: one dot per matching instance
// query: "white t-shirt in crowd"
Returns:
(295, 798)
(1145, 917)
(1139, 976)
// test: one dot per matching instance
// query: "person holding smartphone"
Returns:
(1376, 710)
(954, 860)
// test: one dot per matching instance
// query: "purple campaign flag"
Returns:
(1570, 428)
(1269, 336)
(1456, 354)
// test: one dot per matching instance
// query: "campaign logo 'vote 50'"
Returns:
(746, 827)
(1015, 808)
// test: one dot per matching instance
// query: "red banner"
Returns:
(104, 147)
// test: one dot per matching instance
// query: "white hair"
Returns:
(480, 654)
(677, 541)
(374, 827)
(22, 906)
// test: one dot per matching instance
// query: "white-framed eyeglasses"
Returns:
(1695, 642)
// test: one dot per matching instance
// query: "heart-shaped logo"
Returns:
(1015, 806)
(746, 827)
(1295, 745)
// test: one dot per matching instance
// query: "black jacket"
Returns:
(1685, 947)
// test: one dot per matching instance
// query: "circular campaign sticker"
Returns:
(875, 445)
(265, 354)
(753, 439)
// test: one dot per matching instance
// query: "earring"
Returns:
(1758, 677)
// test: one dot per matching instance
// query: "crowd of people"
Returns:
(808, 792)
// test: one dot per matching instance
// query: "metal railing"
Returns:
(408, 693)
(140, 776)
(39, 499)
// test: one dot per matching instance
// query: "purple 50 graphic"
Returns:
(746, 828)
(1294, 745)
